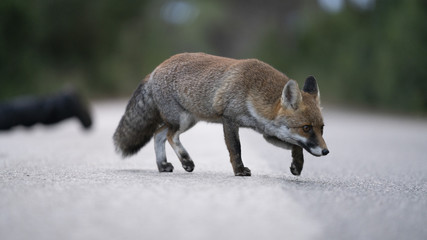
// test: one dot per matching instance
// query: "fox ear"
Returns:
(310, 86)
(291, 95)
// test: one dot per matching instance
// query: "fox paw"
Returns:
(188, 165)
(243, 172)
(295, 170)
(165, 167)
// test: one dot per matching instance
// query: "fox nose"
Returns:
(325, 152)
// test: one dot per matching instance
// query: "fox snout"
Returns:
(316, 146)
(317, 151)
(325, 150)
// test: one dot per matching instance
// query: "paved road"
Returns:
(63, 183)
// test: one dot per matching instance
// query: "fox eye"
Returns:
(321, 130)
(306, 128)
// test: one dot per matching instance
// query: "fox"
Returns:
(237, 93)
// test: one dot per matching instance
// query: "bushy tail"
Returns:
(139, 122)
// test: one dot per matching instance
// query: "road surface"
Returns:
(63, 183)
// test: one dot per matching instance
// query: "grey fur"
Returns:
(138, 124)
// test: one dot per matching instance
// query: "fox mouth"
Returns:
(312, 153)
(315, 150)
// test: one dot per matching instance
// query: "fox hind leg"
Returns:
(160, 137)
(185, 123)
(184, 157)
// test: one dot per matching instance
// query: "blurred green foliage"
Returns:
(45, 43)
(372, 57)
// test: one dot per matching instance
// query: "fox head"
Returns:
(299, 117)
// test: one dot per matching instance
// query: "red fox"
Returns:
(192, 87)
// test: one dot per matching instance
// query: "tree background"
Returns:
(370, 53)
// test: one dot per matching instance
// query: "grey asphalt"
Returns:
(63, 183)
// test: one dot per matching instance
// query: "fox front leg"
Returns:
(297, 160)
(297, 154)
(231, 135)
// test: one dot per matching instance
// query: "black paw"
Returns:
(296, 170)
(165, 167)
(243, 172)
(188, 165)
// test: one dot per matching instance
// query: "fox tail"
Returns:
(139, 122)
